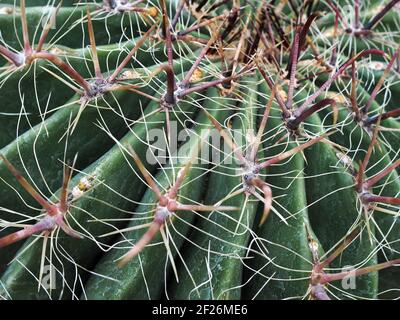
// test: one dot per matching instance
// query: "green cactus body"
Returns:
(112, 164)
(285, 262)
(219, 241)
(144, 272)
(199, 150)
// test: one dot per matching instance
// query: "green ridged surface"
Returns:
(219, 254)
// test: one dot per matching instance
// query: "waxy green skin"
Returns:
(284, 284)
(69, 29)
(357, 140)
(389, 225)
(291, 195)
(389, 186)
(380, 36)
(38, 140)
(33, 89)
(355, 133)
(390, 127)
(112, 169)
(389, 133)
(330, 195)
(217, 232)
(134, 283)
(42, 92)
(389, 138)
(333, 211)
(391, 88)
(143, 277)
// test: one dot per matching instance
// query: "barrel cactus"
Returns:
(194, 149)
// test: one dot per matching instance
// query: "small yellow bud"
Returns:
(129, 75)
(152, 12)
(282, 93)
(339, 98)
(197, 75)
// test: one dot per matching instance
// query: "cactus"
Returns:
(199, 149)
